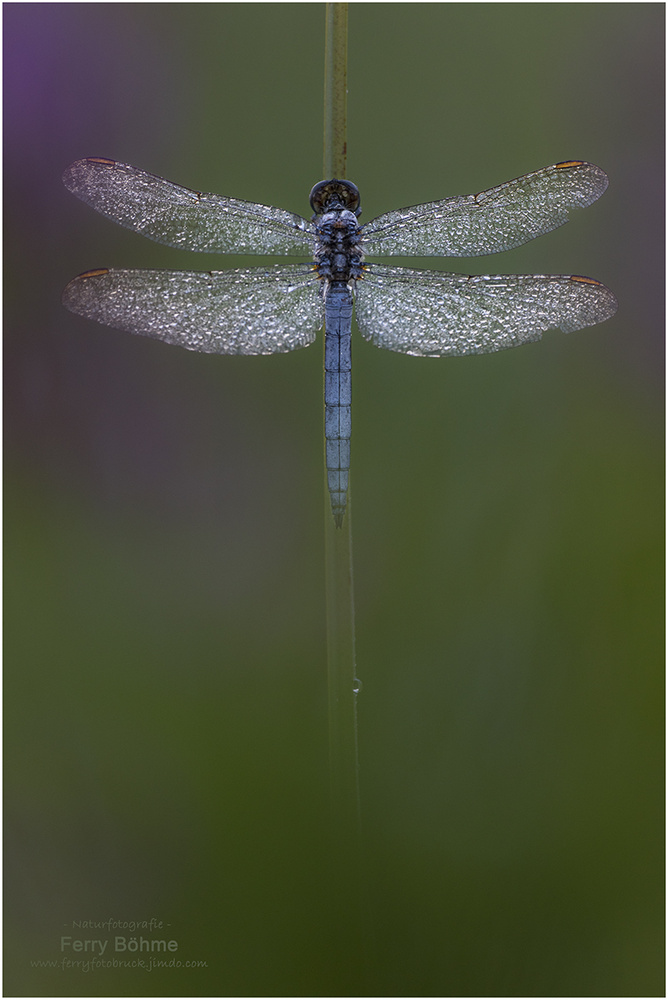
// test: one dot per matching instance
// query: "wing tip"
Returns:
(606, 298)
(72, 289)
(72, 174)
(597, 176)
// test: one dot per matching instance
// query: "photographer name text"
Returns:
(98, 946)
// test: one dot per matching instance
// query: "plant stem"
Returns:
(338, 541)
(341, 677)
(336, 76)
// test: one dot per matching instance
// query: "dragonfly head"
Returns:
(330, 196)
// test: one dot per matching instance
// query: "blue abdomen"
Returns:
(338, 322)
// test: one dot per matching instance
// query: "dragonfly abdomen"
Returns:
(338, 321)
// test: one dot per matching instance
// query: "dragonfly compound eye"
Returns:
(329, 196)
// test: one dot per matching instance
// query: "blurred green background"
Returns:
(165, 675)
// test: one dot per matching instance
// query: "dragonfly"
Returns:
(282, 307)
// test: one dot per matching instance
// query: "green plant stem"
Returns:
(341, 677)
(336, 77)
(338, 547)
(347, 902)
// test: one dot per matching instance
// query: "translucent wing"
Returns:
(490, 221)
(250, 311)
(433, 314)
(179, 217)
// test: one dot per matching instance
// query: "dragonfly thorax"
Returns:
(338, 251)
(338, 226)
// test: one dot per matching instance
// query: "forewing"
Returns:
(249, 311)
(490, 221)
(179, 217)
(433, 314)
